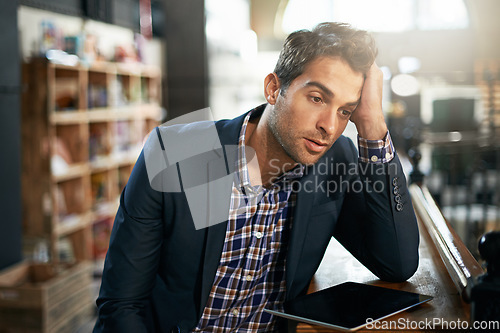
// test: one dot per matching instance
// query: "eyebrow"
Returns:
(354, 103)
(330, 93)
(322, 87)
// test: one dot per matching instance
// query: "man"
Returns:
(163, 273)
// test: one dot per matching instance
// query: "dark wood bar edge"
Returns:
(459, 262)
(445, 269)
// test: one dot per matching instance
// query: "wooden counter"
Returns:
(432, 278)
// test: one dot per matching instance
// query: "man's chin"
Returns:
(305, 157)
(310, 162)
(309, 159)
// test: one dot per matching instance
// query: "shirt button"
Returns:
(387, 156)
(374, 158)
(395, 181)
(248, 277)
(235, 312)
(258, 235)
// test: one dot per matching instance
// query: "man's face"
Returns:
(314, 111)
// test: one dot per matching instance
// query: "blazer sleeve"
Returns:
(132, 259)
(377, 223)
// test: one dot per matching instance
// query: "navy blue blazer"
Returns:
(159, 269)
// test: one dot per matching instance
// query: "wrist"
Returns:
(376, 151)
(372, 130)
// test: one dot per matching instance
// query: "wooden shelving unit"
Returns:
(82, 131)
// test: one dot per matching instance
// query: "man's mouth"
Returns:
(315, 145)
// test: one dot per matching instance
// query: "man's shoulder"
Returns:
(202, 119)
(200, 125)
(187, 138)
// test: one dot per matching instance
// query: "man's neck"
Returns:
(272, 159)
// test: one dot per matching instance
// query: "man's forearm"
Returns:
(375, 229)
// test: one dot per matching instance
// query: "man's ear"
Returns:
(271, 88)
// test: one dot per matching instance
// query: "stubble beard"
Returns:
(277, 125)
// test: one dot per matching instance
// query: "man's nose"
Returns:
(327, 122)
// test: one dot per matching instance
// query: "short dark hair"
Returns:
(356, 47)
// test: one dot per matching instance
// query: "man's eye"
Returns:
(317, 99)
(345, 113)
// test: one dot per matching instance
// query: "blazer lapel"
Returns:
(229, 132)
(302, 212)
(218, 200)
(215, 236)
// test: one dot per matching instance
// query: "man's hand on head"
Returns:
(368, 116)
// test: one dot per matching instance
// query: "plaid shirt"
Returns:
(251, 272)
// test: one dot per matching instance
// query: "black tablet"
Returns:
(349, 306)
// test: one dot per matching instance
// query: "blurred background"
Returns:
(83, 82)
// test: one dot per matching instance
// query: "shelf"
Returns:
(72, 171)
(61, 66)
(83, 130)
(68, 117)
(136, 69)
(125, 158)
(102, 67)
(105, 163)
(72, 223)
(139, 111)
(112, 114)
(105, 209)
(149, 111)
(101, 164)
